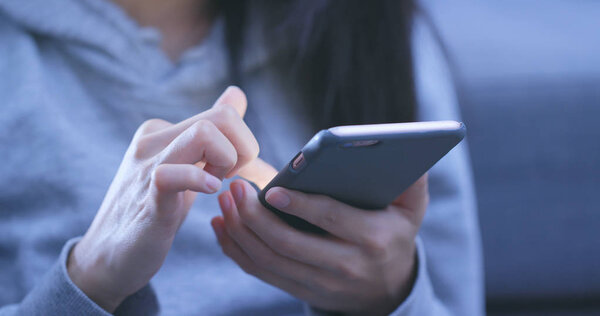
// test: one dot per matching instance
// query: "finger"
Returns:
(150, 126)
(238, 133)
(202, 142)
(143, 144)
(226, 114)
(227, 120)
(173, 178)
(235, 97)
(263, 256)
(234, 127)
(235, 252)
(335, 217)
(414, 200)
(170, 181)
(259, 172)
(308, 248)
(232, 97)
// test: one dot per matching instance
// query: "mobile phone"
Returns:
(366, 166)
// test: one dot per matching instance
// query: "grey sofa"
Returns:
(529, 84)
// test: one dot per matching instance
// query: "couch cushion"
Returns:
(535, 147)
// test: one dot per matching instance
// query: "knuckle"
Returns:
(234, 229)
(247, 214)
(205, 131)
(228, 114)
(249, 152)
(141, 147)
(159, 178)
(348, 270)
(328, 218)
(330, 287)
(265, 261)
(249, 268)
(284, 245)
(150, 125)
(230, 160)
(376, 244)
(202, 129)
(202, 132)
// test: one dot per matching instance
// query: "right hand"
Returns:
(162, 171)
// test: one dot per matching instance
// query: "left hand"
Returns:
(366, 265)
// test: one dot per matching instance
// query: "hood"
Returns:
(100, 27)
(96, 23)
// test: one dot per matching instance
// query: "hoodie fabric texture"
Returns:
(79, 76)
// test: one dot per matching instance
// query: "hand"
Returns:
(367, 265)
(162, 171)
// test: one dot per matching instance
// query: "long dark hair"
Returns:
(352, 58)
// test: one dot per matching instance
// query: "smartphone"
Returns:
(366, 166)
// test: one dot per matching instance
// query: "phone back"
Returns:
(367, 172)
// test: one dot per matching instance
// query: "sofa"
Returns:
(528, 77)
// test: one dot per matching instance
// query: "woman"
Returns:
(79, 77)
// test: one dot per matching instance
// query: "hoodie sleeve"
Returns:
(421, 300)
(56, 294)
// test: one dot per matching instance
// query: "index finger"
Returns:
(226, 114)
(337, 218)
(233, 97)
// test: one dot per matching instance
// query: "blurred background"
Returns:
(528, 74)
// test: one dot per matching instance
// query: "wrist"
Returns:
(399, 292)
(86, 273)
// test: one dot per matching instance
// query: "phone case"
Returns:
(370, 176)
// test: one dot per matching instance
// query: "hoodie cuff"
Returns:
(418, 302)
(421, 300)
(56, 294)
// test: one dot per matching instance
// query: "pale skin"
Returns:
(366, 265)
(182, 23)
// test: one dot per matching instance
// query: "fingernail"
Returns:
(213, 183)
(237, 191)
(277, 198)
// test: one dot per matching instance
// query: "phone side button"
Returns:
(298, 161)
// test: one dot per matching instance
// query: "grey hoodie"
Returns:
(78, 76)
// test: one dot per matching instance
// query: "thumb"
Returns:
(413, 202)
(259, 172)
(234, 97)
